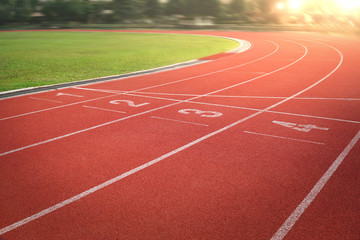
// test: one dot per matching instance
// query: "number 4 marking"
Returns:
(299, 127)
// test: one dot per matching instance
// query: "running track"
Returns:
(262, 144)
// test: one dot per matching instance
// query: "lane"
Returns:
(335, 211)
(226, 193)
(219, 189)
(343, 84)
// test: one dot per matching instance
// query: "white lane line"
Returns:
(47, 100)
(116, 179)
(47, 109)
(119, 93)
(215, 72)
(274, 136)
(281, 59)
(175, 120)
(103, 109)
(331, 99)
(241, 96)
(101, 90)
(246, 108)
(300, 209)
(84, 130)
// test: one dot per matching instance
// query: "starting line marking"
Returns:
(104, 109)
(274, 136)
(48, 109)
(47, 100)
(68, 94)
(241, 96)
(300, 209)
(175, 120)
(246, 108)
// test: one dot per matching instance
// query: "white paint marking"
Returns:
(331, 99)
(111, 181)
(47, 100)
(299, 127)
(101, 90)
(175, 120)
(68, 94)
(251, 109)
(104, 109)
(300, 209)
(259, 97)
(84, 130)
(129, 103)
(281, 59)
(274, 136)
(209, 114)
(47, 109)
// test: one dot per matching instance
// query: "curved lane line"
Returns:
(300, 209)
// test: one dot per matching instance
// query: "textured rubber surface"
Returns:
(227, 149)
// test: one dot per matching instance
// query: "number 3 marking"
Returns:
(130, 103)
(211, 114)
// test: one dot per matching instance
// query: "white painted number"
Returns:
(299, 127)
(211, 114)
(129, 103)
(68, 94)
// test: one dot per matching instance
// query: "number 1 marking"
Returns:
(68, 94)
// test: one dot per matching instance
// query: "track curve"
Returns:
(258, 145)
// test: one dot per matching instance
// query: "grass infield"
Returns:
(29, 59)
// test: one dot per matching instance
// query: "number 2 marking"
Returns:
(211, 114)
(129, 103)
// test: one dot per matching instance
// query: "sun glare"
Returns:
(349, 4)
(295, 4)
(280, 6)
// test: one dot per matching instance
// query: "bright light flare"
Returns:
(296, 4)
(280, 6)
(349, 4)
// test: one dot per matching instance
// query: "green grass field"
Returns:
(29, 59)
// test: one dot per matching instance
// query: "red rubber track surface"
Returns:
(255, 145)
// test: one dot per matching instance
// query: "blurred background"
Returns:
(226, 14)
